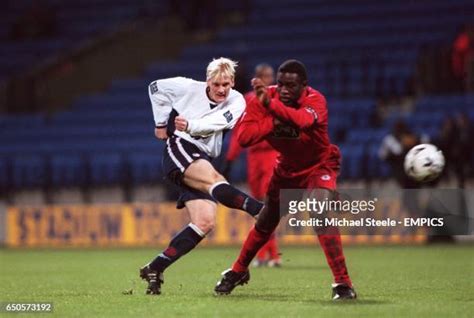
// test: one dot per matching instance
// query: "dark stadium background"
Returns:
(76, 127)
(75, 116)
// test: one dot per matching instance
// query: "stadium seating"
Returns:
(354, 54)
(29, 171)
(68, 170)
(113, 142)
(76, 22)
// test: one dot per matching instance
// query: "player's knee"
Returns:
(264, 228)
(206, 223)
(216, 177)
(209, 180)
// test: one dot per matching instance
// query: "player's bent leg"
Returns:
(202, 214)
(202, 176)
(269, 218)
(201, 211)
(257, 237)
(239, 273)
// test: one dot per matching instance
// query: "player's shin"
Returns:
(255, 240)
(331, 244)
(181, 244)
(233, 198)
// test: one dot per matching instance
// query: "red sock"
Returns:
(266, 249)
(332, 247)
(255, 240)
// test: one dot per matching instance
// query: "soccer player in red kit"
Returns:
(261, 160)
(293, 118)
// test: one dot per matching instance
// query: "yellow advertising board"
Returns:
(142, 224)
(113, 225)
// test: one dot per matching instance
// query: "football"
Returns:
(424, 162)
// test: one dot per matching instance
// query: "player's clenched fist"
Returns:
(261, 91)
(180, 123)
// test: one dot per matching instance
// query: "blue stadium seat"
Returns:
(107, 168)
(29, 171)
(352, 161)
(76, 20)
(377, 168)
(146, 167)
(68, 170)
(21, 122)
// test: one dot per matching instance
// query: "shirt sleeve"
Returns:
(314, 111)
(256, 124)
(225, 118)
(163, 94)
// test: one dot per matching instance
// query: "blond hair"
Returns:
(221, 67)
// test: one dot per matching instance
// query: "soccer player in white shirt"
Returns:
(192, 117)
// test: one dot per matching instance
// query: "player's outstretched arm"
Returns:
(305, 117)
(255, 125)
(302, 118)
(223, 119)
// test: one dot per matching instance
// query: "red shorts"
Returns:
(319, 178)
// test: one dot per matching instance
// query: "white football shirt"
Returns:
(206, 119)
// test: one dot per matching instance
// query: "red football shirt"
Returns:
(255, 149)
(301, 137)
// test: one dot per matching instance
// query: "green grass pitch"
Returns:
(392, 281)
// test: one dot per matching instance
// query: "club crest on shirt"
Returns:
(153, 88)
(228, 116)
(286, 132)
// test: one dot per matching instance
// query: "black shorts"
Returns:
(177, 156)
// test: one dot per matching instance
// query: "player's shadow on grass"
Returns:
(356, 302)
(291, 299)
(302, 267)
